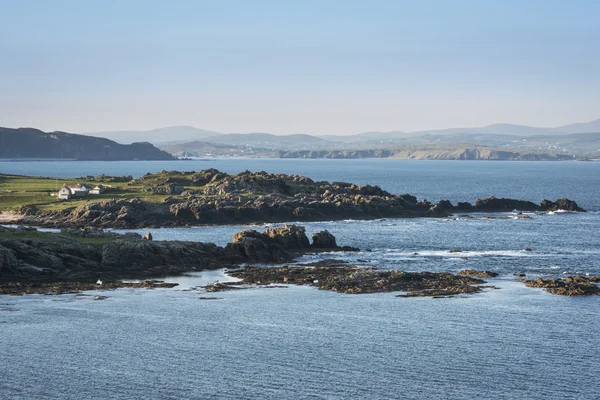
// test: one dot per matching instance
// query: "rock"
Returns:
(289, 236)
(569, 286)
(495, 204)
(561, 204)
(148, 236)
(353, 280)
(479, 274)
(173, 188)
(324, 240)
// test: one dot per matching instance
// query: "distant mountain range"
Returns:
(159, 135)
(179, 134)
(497, 141)
(29, 143)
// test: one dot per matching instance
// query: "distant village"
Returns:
(78, 191)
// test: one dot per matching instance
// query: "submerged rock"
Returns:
(479, 274)
(569, 286)
(353, 280)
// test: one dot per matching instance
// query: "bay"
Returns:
(299, 342)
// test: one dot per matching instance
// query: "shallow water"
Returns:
(300, 342)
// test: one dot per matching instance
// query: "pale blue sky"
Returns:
(321, 67)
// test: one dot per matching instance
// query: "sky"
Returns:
(283, 67)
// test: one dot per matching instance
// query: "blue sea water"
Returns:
(431, 180)
(299, 342)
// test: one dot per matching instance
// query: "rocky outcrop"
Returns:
(561, 204)
(323, 240)
(339, 277)
(86, 255)
(248, 197)
(478, 274)
(496, 204)
(569, 286)
(56, 288)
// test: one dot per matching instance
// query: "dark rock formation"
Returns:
(495, 204)
(21, 288)
(34, 256)
(340, 277)
(561, 204)
(259, 196)
(323, 239)
(569, 286)
(478, 274)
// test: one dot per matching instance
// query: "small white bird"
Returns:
(99, 282)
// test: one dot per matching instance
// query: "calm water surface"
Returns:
(299, 342)
(431, 180)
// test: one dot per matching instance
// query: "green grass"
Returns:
(16, 191)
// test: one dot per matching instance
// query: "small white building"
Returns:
(97, 190)
(64, 193)
(79, 190)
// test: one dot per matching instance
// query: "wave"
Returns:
(461, 254)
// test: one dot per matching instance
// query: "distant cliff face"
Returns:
(33, 143)
(428, 154)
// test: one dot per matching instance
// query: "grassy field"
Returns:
(16, 191)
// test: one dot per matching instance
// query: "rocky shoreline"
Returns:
(29, 257)
(211, 197)
(337, 276)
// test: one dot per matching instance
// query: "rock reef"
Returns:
(30, 256)
(569, 286)
(213, 197)
(337, 276)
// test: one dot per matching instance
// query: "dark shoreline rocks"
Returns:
(56, 288)
(568, 286)
(340, 277)
(28, 256)
(477, 273)
(259, 196)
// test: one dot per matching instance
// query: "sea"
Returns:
(298, 342)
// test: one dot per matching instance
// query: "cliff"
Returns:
(33, 143)
(426, 153)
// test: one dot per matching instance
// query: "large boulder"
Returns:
(324, 240)
(290, 237)
(253, 246)
(561, 204)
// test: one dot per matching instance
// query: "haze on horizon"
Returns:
(338, 67)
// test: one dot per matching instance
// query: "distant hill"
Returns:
(33, 143)
(183, 134)
(268, 141)
(583, 127)
(160, 135)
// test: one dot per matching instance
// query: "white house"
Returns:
(64, 193)
(97, 190)
(79, 190)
